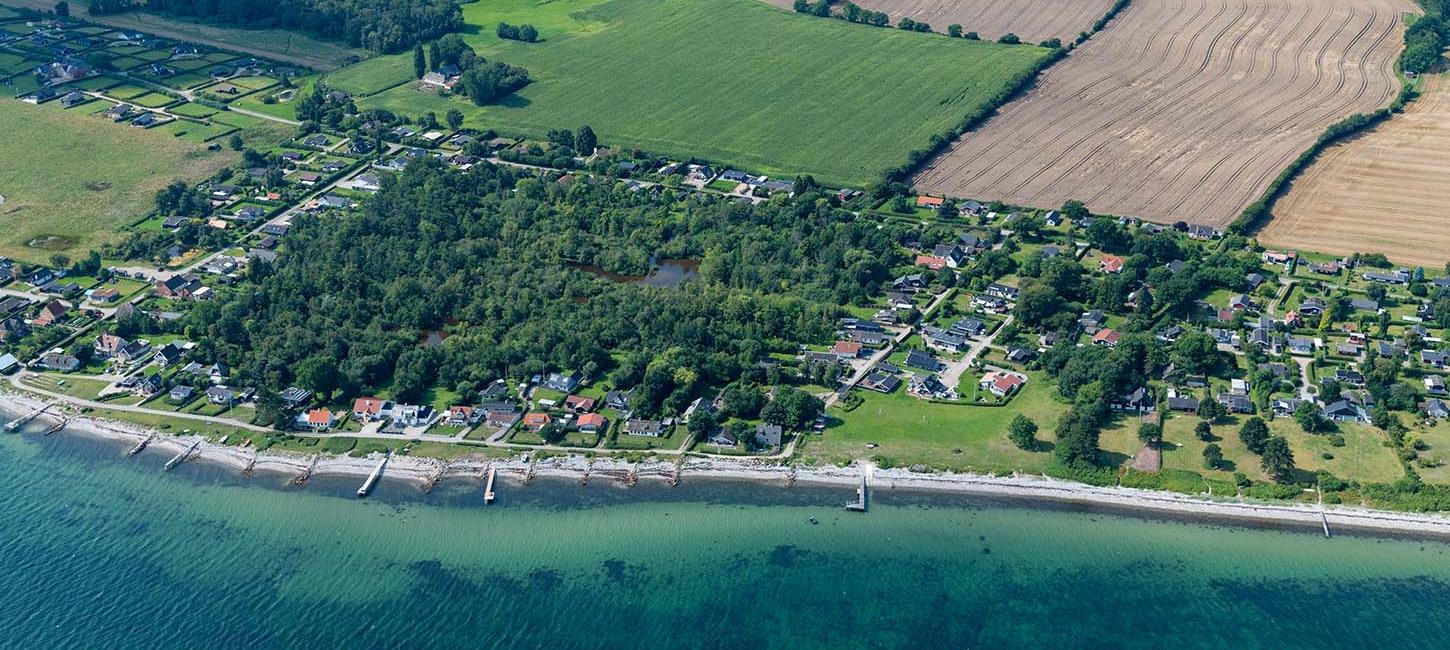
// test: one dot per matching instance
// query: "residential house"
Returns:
(1183, 404)
(923, 361)
(881, 382)
(1236, 403)
(590, 423)
(1021, 355)
(721, 437)
(1434, 358)
(579, 403)
(1110, 264)
(180, 286)
(1301, 346)
(1105, 338)
(1312, 307)
(562, 382)
(1364, 304)
(1002, 384)
(1284, 407)
(8, 363)
(220, 396)
(371, 409)
(107, 345)
(1433, 408)
(52, 313)
(295, 397)
(769, 435)
(930, 202)
(1345, 411)
(316, 420)
(535, 421)
(647, 428)
(1136, 401)
(1435, 385)
(1398, 276)
(940, 339)
(58, 359)
(1002, 292)
(929, 386)
(181, 394)
(847, 349)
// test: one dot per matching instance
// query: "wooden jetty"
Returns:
(14, 425)
(372, 480)
(488, 486)
(861, 497)
(251, 465)
(57, 426)
(631, 477)
(529, 476)
(141, 445)
(306, 473)
(181, 457)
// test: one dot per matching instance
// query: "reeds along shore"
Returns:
(425, 472)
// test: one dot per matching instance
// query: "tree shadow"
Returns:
(513, 100)
(1112, 458)
(1044, 445)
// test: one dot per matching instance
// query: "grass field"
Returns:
(908, 431)
(94, 177)
(757, 86)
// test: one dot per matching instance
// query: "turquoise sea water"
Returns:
(99, 551)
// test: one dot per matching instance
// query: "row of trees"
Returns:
(525, 33)
(379, 25)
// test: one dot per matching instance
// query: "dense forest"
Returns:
(489, 258)
(379, 25)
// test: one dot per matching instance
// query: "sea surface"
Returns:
(101, 551)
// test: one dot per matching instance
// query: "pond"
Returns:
(667, 273)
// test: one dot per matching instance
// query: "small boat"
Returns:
(814, 521)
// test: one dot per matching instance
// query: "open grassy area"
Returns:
(760, 87)
(93, 177)
(908, 431)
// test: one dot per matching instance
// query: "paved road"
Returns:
(76, 401)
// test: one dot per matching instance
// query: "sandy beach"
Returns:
(426, 472)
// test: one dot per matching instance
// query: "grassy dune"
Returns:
(733, 80)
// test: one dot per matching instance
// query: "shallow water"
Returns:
(97, 550)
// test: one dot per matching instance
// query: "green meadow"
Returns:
(72, 180)
(736, 81)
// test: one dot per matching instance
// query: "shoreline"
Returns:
(424, 473)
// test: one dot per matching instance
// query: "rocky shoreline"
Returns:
(426, 472)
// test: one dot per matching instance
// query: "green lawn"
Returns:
(93, 177)
(908, 431)
(760, 87)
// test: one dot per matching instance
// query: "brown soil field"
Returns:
(1382, 192)
(1182, 109)
(1032, 20)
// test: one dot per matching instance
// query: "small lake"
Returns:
(667, 273)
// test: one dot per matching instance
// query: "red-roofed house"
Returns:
(1111, 264)
(590, 422)
(53, 312)
(536, 420)
(1105, 337)
(931, 261)
(1002, 384)
(932, 202)
(460, 415)
(316, 420)
(847, 349)
(579, 403)
(369, 409)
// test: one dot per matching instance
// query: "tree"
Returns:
(62, 9)
(320, 375)
(1210, 410)
(1074, 209)
(1254, 434)
(1009, 39)
(236, 143)
(454, 118)
(585, 142)
(420, 62)
(1277, 459)
(1212, 456)
(702, 424)
(1307, 415)
(1023, 433)
(1203, 430)
(528, 34)
(801, 6)
(552, 433)
(1150, 434)
(954, 31)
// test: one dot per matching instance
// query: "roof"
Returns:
(591, 419)
(1106, 335)
(368, 405)
(929, 201)
(319, 416)
(847, 347)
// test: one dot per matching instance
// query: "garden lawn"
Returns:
(93, 178)
(909, 431)
(760, 87)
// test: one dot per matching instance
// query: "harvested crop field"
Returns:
(1182, 109)
(1032, 20)
(1383, 192)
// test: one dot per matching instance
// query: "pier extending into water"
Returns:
(14, 425)
(859, 505)
(141, 445)
(181, 457)
(372, 479)
(488, 486)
